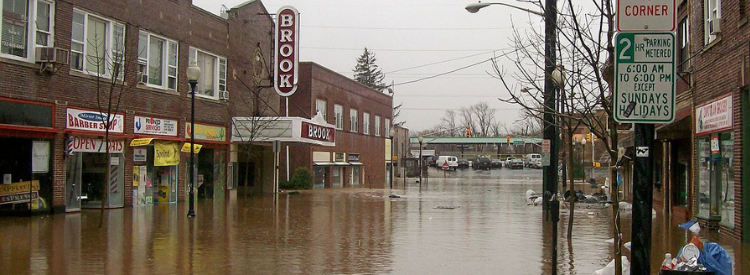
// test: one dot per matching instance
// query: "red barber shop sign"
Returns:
(286, 51)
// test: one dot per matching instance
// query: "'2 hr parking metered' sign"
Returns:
(644, 77)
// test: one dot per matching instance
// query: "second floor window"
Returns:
(711, 20)
(213, 73)
(320, 107)
(338, 111)
(16, 42)
(97, 45)
(377, 126)
(157, 61)
(366, 123)
(354, 121)
(388, 126)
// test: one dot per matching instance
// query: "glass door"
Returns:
(73, 196)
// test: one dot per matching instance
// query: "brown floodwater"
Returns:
(468, 222)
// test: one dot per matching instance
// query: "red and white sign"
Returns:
(714, 116)
(646, 15)
(286, 63)
(318, 132)
(93, 121)
(93, 145)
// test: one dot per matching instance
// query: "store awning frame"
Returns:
(285, 129)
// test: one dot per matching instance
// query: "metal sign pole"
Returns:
(642, 199)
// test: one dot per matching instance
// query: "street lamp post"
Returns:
(193, 73)
(421, 139)
(549, 180)
(392, 133)
(583, 157)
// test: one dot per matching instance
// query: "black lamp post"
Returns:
(550, 203)
(421, 139)
(392, 133)
(193, 73)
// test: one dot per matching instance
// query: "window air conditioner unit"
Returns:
(52, 55)
(224, 95)
(714, 27)
(144, 79)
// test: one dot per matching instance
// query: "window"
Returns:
(683, 33)
(213, 73)
(354, 121)
(377, 126)
(338, 111)
(320, 107)
(388, 126)
(97, 45)
(157, 61)
(17, 30)
(366, 123)
(711, 20)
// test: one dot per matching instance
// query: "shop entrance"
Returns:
(87, 181)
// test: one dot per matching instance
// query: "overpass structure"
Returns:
(469, 147)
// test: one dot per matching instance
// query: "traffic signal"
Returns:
(468, 133)
(508, 139)
(588, 137)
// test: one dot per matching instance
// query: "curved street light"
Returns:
(475, 7)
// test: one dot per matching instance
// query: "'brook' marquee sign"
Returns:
(318, 132)
(287, 56)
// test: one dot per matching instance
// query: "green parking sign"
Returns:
(644, 77)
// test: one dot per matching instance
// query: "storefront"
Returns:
(156, 160)
(715, 164)
(93, 177)
(211, 160)
(356, 169)
(26, 133)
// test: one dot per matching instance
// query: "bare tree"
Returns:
(586, 50)
(485, 116)
(449, 122)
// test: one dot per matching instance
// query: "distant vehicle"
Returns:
(496, 163)
(516, 164)
(481, 162)
(535, 164)
(431, 161)
(507, 161)
(463, 163)
(451, 160)
(531, 160)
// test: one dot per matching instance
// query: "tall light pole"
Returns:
(193, 73)
(392, 133)
(549, 180)
(583, 157)
(421, 139)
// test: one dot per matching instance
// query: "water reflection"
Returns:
(470, 223)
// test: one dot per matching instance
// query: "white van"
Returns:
(533, 160)
(451, 160)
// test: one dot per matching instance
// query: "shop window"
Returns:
(97, 45)
(681, 186)
(338, 176)
(355, 176)
(213, 73)
(716, 177)
(16, 28)
(157, 61)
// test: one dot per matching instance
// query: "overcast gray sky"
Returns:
(418, 43)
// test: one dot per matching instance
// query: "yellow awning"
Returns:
(186, 148)
(140, 142)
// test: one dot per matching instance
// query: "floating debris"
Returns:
(447, 207)
(394, 196)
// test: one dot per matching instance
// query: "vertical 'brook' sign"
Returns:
(287, 55)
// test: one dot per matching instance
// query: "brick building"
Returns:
(362, 119)
(62, 61)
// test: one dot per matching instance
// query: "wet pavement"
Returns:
(466, 222)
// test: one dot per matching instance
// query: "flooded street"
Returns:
(470, 222)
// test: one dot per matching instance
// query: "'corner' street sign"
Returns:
(646, 15)
(644, 77)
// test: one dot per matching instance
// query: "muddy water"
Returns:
(468, 222)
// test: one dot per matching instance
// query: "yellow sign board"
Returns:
(186, 148)
(207, 132)
(394, 158)
(166, 154)
(140, 142)
(18, 187)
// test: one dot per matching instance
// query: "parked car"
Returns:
(531, 160)
(516, 164)
(507, 161)
(496, 163)
(463, 163)
(450, 160)
(537, 163)
(481, 162)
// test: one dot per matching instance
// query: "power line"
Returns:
(406, 29)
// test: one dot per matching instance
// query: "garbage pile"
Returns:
(698, 256)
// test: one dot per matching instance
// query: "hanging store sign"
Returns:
(166, 153)
(207, 132)
(93, 121)
(186, 148)
(139, 154)
(286, 62)
(93, 145)
(714, 116)
(154, 126)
